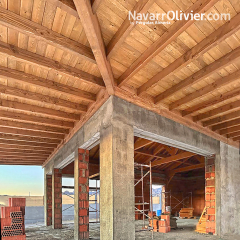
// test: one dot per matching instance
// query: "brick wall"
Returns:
(83, 198)
(49, 199)
(57, 198)
(210, 195)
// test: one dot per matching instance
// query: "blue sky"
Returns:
(20, 180)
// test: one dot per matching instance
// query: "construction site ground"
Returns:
(184, 231)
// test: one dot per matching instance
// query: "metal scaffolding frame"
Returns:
(143, 203)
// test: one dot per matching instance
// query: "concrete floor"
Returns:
(185, 230)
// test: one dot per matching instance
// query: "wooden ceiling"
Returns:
(59, 62)
(165, 159)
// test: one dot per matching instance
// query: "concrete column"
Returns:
(48, 200)
(81, 195)
(117, 182)
(57, 198)
(228, 191)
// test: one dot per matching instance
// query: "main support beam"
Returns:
(92, 29)
(81, 194)
(48, 200)
(117, 182)
(57, 198)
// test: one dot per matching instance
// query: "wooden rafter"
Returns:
(231, 129)
(220, 119)
(28, 138)
(141, 7)
(173, 32)
(186, 169)
(172, 158)
(28, 126)
(16, 92)
(207, 89)
(36, 109)
(201, 74)
(23, 25)
(46, 83)
(206, 44)
(233, 135)
(211, 101)
(92, 29)
(35, 119)
(48, 63)
(141, 142)
(42, 133)
(217, 111)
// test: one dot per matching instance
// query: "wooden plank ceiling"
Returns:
(60, 61)
(166, 160)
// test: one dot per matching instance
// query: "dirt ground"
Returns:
(185, 230)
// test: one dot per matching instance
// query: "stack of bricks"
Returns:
(164, 224)
(12, 220)
(160, 224)
(210, 195)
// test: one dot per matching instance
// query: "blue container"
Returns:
(159, 212)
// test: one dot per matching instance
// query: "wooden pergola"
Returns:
(60, 60)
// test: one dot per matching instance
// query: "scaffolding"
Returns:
(142, 202)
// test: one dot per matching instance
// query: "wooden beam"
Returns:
(233, 135)
(17, 156)
(211, 102)
(141, 7)
(95, 5)
(33, 148)
(23, 152)
(150, 154)
(237, 139)
(231, 129)
(170, 35)
(36, 109)
(207, 89)
(48, 63)
(20, 162)
(173, 158)
(206, 44)
(141, 142)
(30, 28)
(176, 164)
(28, 143)
(92, 29)
(35, 119)
(25, 132)
(186, 169)
(201, 159)
(46, 83)
(28, 126)
(198, 76)
(217, 111)
(28, 138)
(156, 151)
(223, 118)
(16, 92)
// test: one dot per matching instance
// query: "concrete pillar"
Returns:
(117, 182)
(57, 198)
(81, 194)
(48, 200)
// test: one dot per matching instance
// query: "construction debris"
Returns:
(201, 226)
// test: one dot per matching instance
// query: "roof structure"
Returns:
(61, 60)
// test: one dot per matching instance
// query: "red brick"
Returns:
(208, 204)
(83, 228)
(210, 161)
(207, 197)
(210, 211)
(210, 189)
(207, 175)
(212, 174)
(212, 203)
(212, 196)
(83, 212)
(80, 150)
(210, 182)
(211, 217)
(163, 229)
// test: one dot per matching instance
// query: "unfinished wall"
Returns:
(180, 189)
(228, 191)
